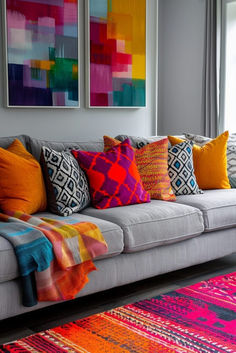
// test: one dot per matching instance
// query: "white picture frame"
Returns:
(6, 30)
(88, 59)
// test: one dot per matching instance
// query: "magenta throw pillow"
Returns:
(113, 176)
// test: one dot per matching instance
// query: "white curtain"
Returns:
(210, 71)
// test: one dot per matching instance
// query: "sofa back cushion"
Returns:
(139, 141)
(35, 145)
(6, 141)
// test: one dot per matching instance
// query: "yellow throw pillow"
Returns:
(152, 163)
(21, 181)
(210, 162)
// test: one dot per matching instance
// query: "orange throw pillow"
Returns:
(21, 181)
(152, 163)
(110, 142)
(210, 162)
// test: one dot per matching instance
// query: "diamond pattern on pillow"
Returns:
(181, 171)
(113, 176)
(66, 183)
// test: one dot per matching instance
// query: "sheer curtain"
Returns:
(211, 123)
(227, 55)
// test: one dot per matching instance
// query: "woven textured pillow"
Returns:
(21, 184)
(113, 176)
(67, 186)
(110, 142)
(152, 166)
(139, 141)
(210, 162)
(181, 171)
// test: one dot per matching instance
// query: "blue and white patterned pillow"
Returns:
(66, 183)
(181, 171)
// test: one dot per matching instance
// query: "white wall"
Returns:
(181, 50)
(75, 124)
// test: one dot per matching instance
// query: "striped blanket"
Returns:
(54, 256)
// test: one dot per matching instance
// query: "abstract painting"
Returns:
(117, 53)
(42, 53)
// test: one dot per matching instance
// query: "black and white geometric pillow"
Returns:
(197, 139)
(231, 156)
(181, 171)
(66, 183)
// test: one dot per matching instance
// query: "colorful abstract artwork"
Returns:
(42, 53)
(117, 52)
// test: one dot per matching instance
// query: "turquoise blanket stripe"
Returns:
(34, 256)
(33, 251)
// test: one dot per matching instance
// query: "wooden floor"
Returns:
(56, 315)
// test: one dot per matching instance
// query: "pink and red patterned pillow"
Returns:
(113, 176)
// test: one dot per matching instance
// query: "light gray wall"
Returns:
(67, 124)
(181, 50)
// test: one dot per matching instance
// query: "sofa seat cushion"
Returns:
(218, 207)
(152, 224)
(112, 233)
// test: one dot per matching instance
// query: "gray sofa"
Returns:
(143, 240)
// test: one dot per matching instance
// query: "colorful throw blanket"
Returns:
(56, 254)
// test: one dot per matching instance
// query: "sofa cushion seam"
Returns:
(166, 241)
(214, 208)
(159, 220)
(232, 225)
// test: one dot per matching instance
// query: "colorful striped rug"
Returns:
(200, 318)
